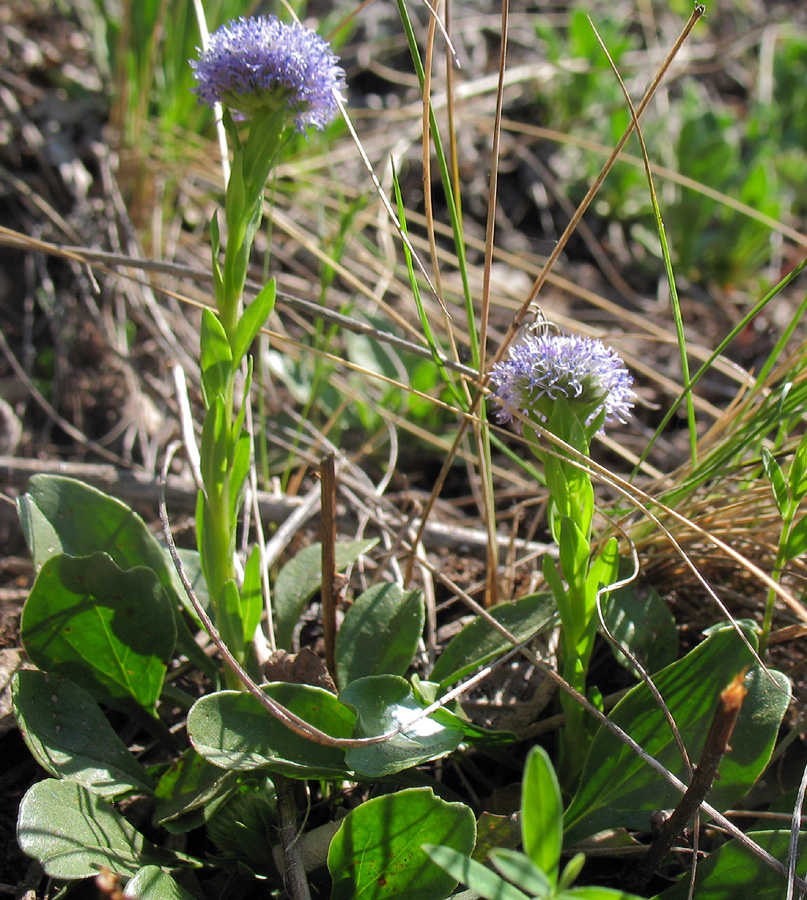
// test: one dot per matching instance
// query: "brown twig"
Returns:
(717, 743)
(294, 876)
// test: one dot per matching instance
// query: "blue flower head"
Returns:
(543, 368)
(261, 62)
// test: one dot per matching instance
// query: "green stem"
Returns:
(767, 622)
(222, 455)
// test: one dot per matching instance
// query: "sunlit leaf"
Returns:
(73, 832)
(384, 703)
(376, 854)
(380, 633)
(151, 883)
(108, 630)
(542, 813)
(618, 789)
(731, 871)
(70, 737)
(232, 730)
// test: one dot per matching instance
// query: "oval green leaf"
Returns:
(233, 731)
(380, 633)
(63, 515)
(112, 632)
(377, 852)
(70, 737)
(384, 703)
(73, 832)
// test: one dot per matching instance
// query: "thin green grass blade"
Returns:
(665, 251)
(764, 372)
(445, 176)
(448, 380)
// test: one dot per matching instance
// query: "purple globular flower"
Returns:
(261, 62)
(542, 368)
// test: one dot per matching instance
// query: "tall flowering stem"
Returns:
(568, 386)
(277, 77)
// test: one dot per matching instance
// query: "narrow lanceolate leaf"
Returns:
(377, 852)
(542, 813)
(797, 476)
(777, 479)
(521, 871)
(250, 323)
(109, 631)
(731, 872)
(70, 737)
(73, 832)
(481, 880)
(216, 359)
(796, 543)
(251, 597)
(618, 789)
